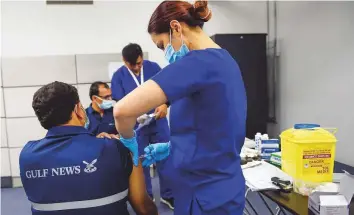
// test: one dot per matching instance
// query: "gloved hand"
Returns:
(141, 119)
(132, 145)
(156, 152)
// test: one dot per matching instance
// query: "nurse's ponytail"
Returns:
(194, 15)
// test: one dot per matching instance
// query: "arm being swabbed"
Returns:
(128, 109)
(138, 197)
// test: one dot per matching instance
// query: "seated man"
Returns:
(100, 112)
(70, 171)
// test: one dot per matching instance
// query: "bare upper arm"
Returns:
(138, 197)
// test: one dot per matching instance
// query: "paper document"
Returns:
(259, 177)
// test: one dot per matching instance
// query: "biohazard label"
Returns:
(317, 161)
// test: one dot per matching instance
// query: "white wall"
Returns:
(33, 29)
(237, 17)
(317, 68)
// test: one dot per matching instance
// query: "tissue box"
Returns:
(275, 158)
(333, 203)
(268, 147)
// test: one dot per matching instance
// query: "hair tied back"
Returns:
(202, 11)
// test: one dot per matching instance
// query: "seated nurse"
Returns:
(204, 86)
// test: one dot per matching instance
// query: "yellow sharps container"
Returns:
(307, 154)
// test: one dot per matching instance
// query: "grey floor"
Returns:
(14, 202)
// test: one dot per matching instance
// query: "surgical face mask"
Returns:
(87, 121)
(106, 104)
(171, 55)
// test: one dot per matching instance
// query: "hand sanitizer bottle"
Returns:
(258, 140)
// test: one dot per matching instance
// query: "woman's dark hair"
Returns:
(54, 103)
(182, 11)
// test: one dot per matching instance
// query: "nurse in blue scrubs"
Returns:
(135, 72)
(204, 86)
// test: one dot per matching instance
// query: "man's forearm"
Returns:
(151, 208)
(148, 208)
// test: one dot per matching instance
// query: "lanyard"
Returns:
(134, 77)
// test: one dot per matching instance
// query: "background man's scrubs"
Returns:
(98, 123)
(207, 122)
(158, 131)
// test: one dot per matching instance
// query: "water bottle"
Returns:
(258, 140)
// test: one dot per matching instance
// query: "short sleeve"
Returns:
(116, 86)
(129, 164)
(157, 69)
(126, 158)
(184, 77)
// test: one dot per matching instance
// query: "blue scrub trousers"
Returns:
(230, 208)
(144, 139)
(186, 202)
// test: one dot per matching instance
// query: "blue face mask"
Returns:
(106, 104)
(171, 55)
(87, 121)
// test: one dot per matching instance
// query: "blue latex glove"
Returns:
(156, 152)
(132, 145)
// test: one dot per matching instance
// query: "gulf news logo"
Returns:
(88, 167)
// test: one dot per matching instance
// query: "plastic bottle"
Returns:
(258, 140)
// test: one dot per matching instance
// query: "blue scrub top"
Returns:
(123, 83)
(70, 164)
(100, 124)
(208, 123)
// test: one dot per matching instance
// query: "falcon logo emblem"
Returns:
(90, 168)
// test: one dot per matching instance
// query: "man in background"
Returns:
(100, 111)
(135, 72)
(70, 171)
